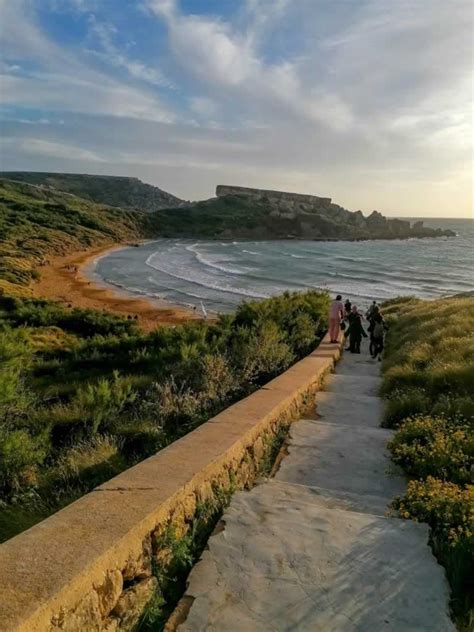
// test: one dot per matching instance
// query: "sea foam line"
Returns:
(212, 286)
(212, 264)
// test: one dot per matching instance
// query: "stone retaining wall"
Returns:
(92, 566)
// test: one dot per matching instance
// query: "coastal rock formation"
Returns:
(293, 215)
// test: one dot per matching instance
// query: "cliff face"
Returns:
(293, 215)
(119, 191)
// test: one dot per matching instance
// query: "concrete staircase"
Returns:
(313, 549)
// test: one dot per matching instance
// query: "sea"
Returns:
(217, 275)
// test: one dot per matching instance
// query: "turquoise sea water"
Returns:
(223, 273)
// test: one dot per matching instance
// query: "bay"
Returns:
(221, 274)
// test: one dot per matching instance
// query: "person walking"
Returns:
(371, 311)
(371, 315)
(347, 307)
(336, 314)
(355, 331)
(377, 336)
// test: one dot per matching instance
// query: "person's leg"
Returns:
(333, 329)
(352, 343)
(358, 341)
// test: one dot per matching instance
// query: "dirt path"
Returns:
(313, 549)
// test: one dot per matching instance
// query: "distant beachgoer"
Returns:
(378, 334)
(336, 314)
(355, 331)
(371, 310)
(347, 307)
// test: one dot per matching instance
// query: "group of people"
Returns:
(347, 318)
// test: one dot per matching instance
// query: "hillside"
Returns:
(37, 223)
(292, 215)
(111, 190)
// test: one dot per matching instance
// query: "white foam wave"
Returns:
(216, 264)
(191, 276)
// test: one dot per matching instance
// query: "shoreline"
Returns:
(67, 279)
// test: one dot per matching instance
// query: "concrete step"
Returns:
(365, 367)
(286, 566)
(353, 384)
(341, 459)
(349, 410)
(360, 503)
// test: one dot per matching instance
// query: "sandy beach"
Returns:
(65, 279)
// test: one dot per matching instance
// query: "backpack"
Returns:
(378, 330)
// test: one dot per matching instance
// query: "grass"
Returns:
(84, 394)
(428, 378)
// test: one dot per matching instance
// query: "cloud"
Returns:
(57, 79)
(110, 53)
(57, 92)
(39, 147)
(215, 54)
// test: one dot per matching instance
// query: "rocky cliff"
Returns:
(293, 215)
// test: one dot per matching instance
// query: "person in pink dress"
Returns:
(336, 314)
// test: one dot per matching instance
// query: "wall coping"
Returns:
(49, 567)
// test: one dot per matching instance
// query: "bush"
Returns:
(427, 446)
(20, 455)
(88, 463)
(261, 352)
(402, 404)
(100, 404)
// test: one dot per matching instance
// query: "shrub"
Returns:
(427, 446)
(175, 409)
(20, 455)
(261, 352)
(88, 463)
(99, 404)
(405, 403)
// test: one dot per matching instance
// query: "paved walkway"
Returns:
(312, 549)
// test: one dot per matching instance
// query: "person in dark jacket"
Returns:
(372, 314)
(347, 308)
(355, 331)
(377, 336)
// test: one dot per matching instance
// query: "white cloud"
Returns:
(81, 94)
(40, 147)
(64, 81)
(111, 54)
(226, 60)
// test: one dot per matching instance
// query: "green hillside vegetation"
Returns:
(36, 223)
(84, 394)
(428, 379)
(212, 218)
(111, 190)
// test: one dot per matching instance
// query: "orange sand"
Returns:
(63, 279)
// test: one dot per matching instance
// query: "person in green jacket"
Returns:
(355, 332)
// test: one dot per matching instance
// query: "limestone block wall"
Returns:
(92, 566)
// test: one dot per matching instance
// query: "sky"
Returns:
(369, 102)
